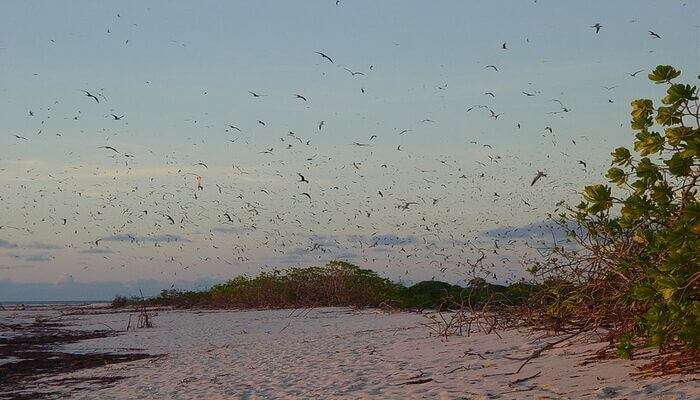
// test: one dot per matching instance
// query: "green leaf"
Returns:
(640, 186)
(677, 93)
(621, 156)
(616, 175)
(667, 116)
(662, 193)
(642, 110)
(692, 149)
(647, 170)
(599, 198)
(676, 134)
(678, 165)
(625, 346)
(635, 207)
(642, 292)
(649, 143)
(663, 74)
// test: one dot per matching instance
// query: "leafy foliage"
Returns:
(337, 284)
(637, 264)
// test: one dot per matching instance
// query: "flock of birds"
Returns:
(377, 201)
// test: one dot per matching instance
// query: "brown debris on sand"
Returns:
(32, 352)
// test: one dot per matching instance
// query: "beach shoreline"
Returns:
(323, 353)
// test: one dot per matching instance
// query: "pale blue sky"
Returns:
(184, 76)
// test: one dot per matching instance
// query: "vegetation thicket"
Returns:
(337, 284)
(632, 264)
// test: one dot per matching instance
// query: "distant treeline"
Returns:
(336, 284)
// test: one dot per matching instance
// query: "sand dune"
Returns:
(334, 353)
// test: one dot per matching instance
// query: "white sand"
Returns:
(343, 354)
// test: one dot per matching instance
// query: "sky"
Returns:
(418, 156)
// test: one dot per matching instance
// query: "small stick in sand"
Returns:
(416, 382)
(527, 378)
(287, 326)
(471, 353)
(455, 369)
(541, 350)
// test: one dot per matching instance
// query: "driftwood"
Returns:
(541, 350)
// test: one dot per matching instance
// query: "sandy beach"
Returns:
(330, 353)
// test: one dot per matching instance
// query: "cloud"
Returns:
(537, 229)
(129, 237)
(42, 246)
(37, 257)
(18, 266)
(4, 244)
(340, 247)
(391, 240)
(321, 248)
(96, 251)
(230, 230)
(67, 289)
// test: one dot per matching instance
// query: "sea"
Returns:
(51, 303)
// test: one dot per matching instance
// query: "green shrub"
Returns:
(636, 271)
(336, 284)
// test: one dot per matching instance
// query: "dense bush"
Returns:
(336, 284)
(635, 269)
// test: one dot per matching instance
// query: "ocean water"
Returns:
(50, 303)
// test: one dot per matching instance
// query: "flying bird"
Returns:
(353, 73)
(654, 35)
(298, 96)
(20, 137)
(109, 148)
(116, 117)
(503, 46)
(491, 66)
(494, 115)
(302, 178)
(597, 27)
(90, 95)
(539, 175)
(255, 94)
(324, 56)
(406, 205)
(320, 125)
(634, 74)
